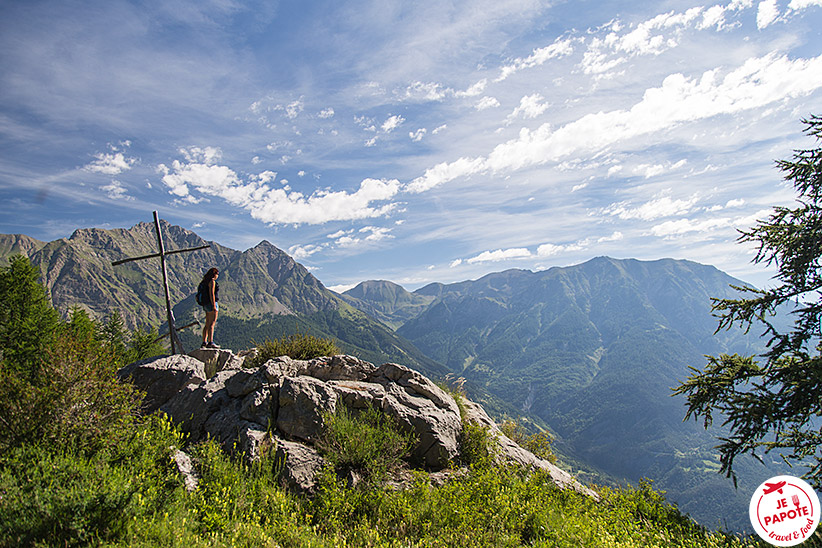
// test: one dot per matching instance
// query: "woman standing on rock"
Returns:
(207, 292)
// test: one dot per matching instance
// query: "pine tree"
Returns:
(774, 403)
(28, 323)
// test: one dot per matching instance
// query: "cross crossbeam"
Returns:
(172, 331)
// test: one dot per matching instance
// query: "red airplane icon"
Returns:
(771, 487)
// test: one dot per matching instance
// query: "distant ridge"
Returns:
(386, 301)
(264, 293)
(593, 350)
(14, 244)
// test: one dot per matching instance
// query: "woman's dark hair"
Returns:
(210, 274)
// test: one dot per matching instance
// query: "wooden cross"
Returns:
(175, 340)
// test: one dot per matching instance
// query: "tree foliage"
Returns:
(27, 320)
(58, 380)
(774, 403)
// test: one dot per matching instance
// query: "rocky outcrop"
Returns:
(282, 405)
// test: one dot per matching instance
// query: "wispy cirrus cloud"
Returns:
(541, 251)
(680, 99)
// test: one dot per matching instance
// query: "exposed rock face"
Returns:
(282, 403)
(164, 377)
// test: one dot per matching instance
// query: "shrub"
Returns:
(539, 443)
(368, 443)
(57, 495)
(298, 346)
(477, 445)
(75, 398)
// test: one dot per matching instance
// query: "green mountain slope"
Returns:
(264, 293)
(593, 350)
(387, 302)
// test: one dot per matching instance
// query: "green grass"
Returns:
(369, 444)
(299, 346)
(131, 495)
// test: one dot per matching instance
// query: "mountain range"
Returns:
(590, 351)
(593, 350)
(264, 293)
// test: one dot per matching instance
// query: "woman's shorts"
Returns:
(210, 307)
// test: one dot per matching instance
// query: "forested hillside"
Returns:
(594, 351)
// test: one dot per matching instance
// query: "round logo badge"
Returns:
(784, 511)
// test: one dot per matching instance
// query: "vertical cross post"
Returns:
(169, 313)
(175, 339)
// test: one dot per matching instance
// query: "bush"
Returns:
(74, 399)
(57, 495)
(477, 445)
(298, 346)
(539, 443)
(368, 443)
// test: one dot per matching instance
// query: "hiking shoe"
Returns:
(212, 344)
(204, 345)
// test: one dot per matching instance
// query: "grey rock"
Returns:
(341, 367)
(193, 405)
(257, 407)
(163, 377)
(357, 394)
(254, 442)
(283, 403)
(217, 359)
(300, 465)
(186, 469)
(423, 408)
(302, 402)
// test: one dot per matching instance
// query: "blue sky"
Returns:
(410, 141)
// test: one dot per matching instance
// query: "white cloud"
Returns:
(417, 136)
(116, 191)
(433, 91)
(653, 209)
(110, 164)
(548, 250)
(500, 255)
(766, 13)
(300, 252)
(293, 109)
(560, 48)
(803, 4)
(530, 106)
(614, 237)
(430, 91)
(326, 113)
(671, 229)
(392, 123)
(486, 103)
(474, 90)
(680, 99)
(439, 129)
(367, 234)
(273, 205)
